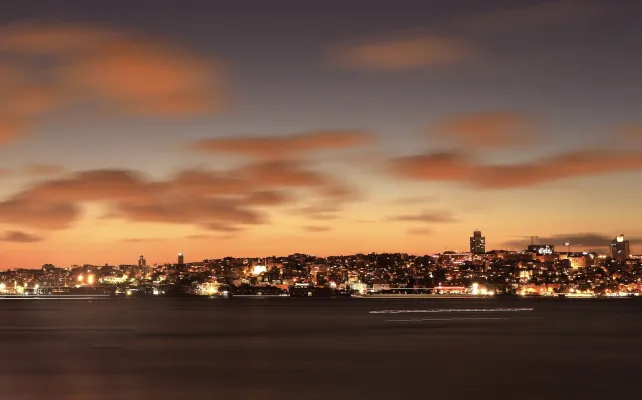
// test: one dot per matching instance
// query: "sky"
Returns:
(253, 128)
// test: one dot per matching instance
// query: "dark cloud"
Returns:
(284, 145)
(426, 216)
(403, 51)
(585, 240)
(20, 237)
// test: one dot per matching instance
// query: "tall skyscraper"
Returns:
(142, 262)
(620, 249)
(181, 259)
(477, 243)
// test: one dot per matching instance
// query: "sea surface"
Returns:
(298, 348)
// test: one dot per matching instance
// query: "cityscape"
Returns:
(538, 270)
(349, 199)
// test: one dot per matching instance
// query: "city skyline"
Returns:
(618, 248)
(289, 128)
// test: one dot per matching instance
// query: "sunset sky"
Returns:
(258, 128)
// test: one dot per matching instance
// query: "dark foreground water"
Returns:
(319, 349)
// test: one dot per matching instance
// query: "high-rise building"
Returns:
(620, 249)
(142, 262)
(181, 259)
(477, 243)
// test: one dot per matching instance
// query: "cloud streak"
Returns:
(401, 52)
(284, 145)
(456, 167)
(487, 129)
(20, 237)
(426, 216)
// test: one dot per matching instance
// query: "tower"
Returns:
(620, 249)
(181, 259)
(477, 243)
(142, 262)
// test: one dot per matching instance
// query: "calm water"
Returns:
(318, 349)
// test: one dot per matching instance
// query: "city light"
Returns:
(530, 272)
(258, 269)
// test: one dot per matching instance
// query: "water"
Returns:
(285, 348)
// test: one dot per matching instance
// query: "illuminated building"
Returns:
(541, 249)
(142, 262)
(620, 249)
(477, 243)
(181, 259)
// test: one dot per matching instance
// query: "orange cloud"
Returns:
(488, 129)
(285, 146)
(88, 186)
(433, 167)
(39, 38)
(267, 198)
(198, 182)
(65, 64)
(456, 168)
(401, 53)
(192, 211)
(36, 214)
(284, 173)
(22, 102)
(146, 77)
(10, 131)
(193, 197)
